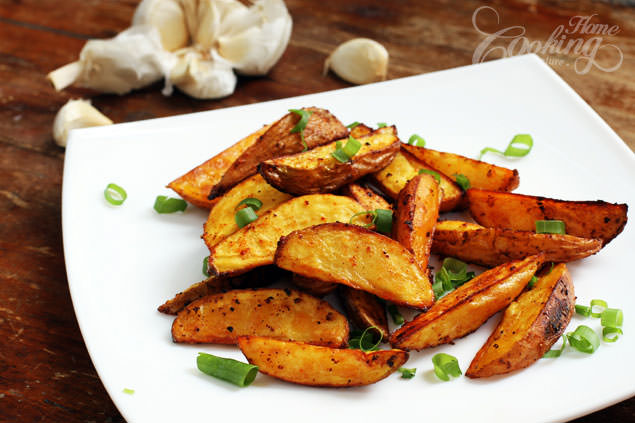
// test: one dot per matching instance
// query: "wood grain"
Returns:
(45, 371)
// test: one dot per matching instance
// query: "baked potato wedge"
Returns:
(416, 217)
(481, 174)
(314, 287)
(221, 221)
(465, 309)
(317, 171)
(394, 177)
(195, 186)
(321, 128)
(313, 365)
(365, 310)
(490, 247)
(530, 326)
(276, 313)
(255, 244)
(360, 130)
(585, 219)
(365, 196)
(359, 258)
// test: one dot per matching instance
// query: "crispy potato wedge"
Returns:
(321, 128)
(317, 171)
(313, 286)
(481, 174)
(357, 257)
(490, 247)
(360, 130)
(365, 196)
(312, 365)
(365, 310)
(394, 177)
(530, 326)
(255, 244)
(196, 184)
(221, 221)
(465, 309)
(277, 313)
(585, 219)
(416, 217)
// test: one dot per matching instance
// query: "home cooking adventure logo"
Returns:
(577, 44)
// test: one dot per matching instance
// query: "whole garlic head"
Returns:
(168, 17)
(360, 61)
(76, 114)
(203, 77)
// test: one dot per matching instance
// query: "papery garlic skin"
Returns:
(168, 17)
(359, 61)
(76, 114)
(203, 77)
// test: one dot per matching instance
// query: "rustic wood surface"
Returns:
(45, 371)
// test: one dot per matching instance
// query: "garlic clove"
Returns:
(168, 17)
(360, 61)
(212, 18)
(76, 114)
(203, 77)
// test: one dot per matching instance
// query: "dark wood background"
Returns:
(45, 371)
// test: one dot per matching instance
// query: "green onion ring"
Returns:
(383, 221)
(445, 366)
(416, 140)
(396, 316)
(381, 124)
(434, 174)
(524, 140)
(163, 204)
(245, 216)
(254, 203)
(230, 370)
(365, 213)
(114, 194)
(353, 125)
(407, 373)
(550, 227)
(610, 330)
(583, 310)
(206, 266)
(598, 303)
(613, 317)
(556, 353)
(584, 339)
(462, 181)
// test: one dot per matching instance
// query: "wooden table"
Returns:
(45, 371)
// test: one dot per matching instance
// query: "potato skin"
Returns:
(321, 128)
(585, 219)
(465, 309)
(481, 174)
(530, 326)
(312, 365)
(365, 196)
(277, 313)
(314, 287)
(364, 310)
(490, 247)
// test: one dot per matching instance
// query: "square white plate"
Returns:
(123, 262)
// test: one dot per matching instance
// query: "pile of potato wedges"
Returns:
(311, 225)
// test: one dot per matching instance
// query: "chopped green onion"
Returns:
(383, 221)
(584, 339)
(230, 370)
(381, 124)
(550, 227)
(165, 204)
(365, 340)
(445, 366)
(254, 203)
(128, 391)
(438, 290)
(436, 175)
(364, 213)
(583, 310)
(397, 318)
(462, 181)
(353, 125)
(610, 333)
(416, 140)
(344, 154)
(512, 150)
(301, 125)
(613, 317)
(245, 216)
(453, 273)
(114, 194)
(407, 373)
(532, 282)
(595, 312)
(556, 353)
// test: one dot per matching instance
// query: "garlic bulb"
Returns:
(76, 114)
(201, 77)
(168, 18)
(360, 61)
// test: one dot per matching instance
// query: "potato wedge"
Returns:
(365, 196)
(585, 219)
(357, 257)
(221, 221)
(365, 310)
(317, 171)
(321, 128)
(255, 244)
(416, 217)
(312, 365)
(313, 286)
(277, 313)
(481, 174)
(195, 185)
(394, 177)
(490, 247)
(360, 130)
(465, 309)
(530, 326)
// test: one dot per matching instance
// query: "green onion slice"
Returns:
(344, 154)
(436, 175)
(301, 125)
(445, 366)
(583, 310)
(532, 282)
(383, 221)
(206, 266)
(128, 391)
(598, 307)
(519, 146)
(453, 273)
(611, 334)
(254, 203)
(396, 316)
(353, 125)
(556, 353)
(407, 373)
(366, 341)
(245, 216)
(165, 204)
(114, 194)
(381, 124)
(584, 339)
(550, 227)
(613, 317)
(462, 181)
(363, 213)
(416, 140)
(230, 370)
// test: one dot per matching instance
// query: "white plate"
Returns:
(123, 262)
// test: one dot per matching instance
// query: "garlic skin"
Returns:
(359, 61)
(203, 77)
(168, 17)
(76, 114)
